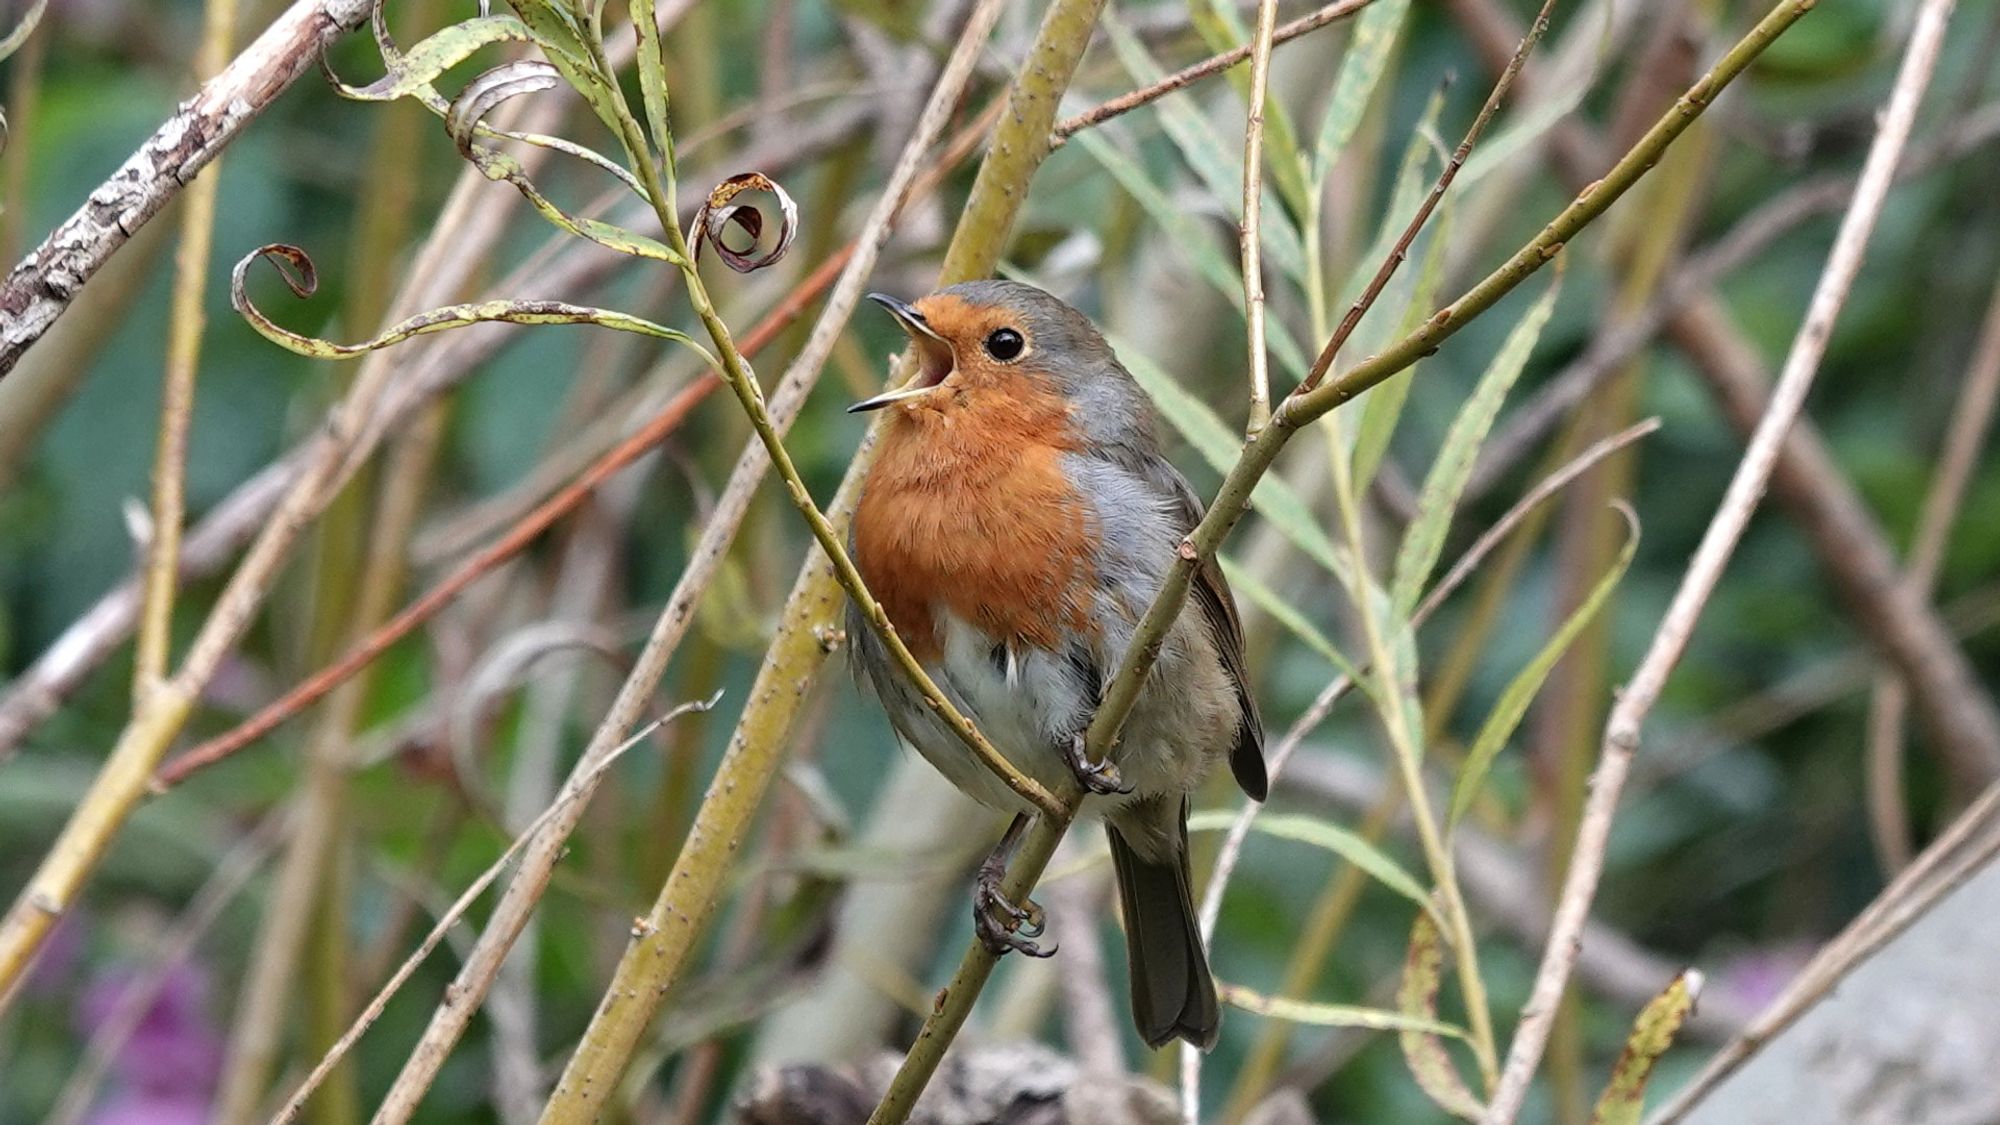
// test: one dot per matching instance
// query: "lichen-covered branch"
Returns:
(41, 287)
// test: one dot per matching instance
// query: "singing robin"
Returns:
(1015, 525)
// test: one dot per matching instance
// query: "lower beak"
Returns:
(934, 356)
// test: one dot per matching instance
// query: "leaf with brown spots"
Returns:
(296, 268)
(1416, 996)
(1652, 1033)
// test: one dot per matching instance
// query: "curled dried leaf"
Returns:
(719, 214)
(292, 264)
(485, 93)
(288, 259)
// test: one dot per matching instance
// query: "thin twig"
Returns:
(1324, 362)
(1249, 233)
(1746, 488)
(1208, 67)
(41, 287)
(1611, 351)
(1971, 419)
(177, 396)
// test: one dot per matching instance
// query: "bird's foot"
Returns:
(1101, 778)
(1000, 924)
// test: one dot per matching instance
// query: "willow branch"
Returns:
(1249, 233)
(177, 396)
(1746, 488)
(1352, 320)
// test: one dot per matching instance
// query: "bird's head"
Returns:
(994, 337)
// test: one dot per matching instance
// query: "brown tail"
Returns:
(1172, 993)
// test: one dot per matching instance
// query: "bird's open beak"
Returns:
(934, 355)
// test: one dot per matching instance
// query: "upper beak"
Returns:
(934, 355)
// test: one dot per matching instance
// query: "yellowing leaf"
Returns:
(1430, 1063)
(1652, 1033)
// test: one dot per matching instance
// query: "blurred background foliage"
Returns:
(1744, 843)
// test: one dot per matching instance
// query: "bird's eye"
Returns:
(1004, 344)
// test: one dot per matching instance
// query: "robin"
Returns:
(1016, 524)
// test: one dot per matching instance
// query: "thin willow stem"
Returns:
(1401, 251)
(163, 551)
(1250, 232)
(1206, 68)
(1408, 752)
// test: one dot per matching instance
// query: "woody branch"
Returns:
(42, 286)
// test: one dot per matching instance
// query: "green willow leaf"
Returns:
(499, 166)
(1416, 995)
(1316, 1014)
(1624, 1099)
(414, 72)
(1252, 589)
(1445, 484)
(1368, 53)
(653, 78)
(563, 45)
(304, 281)
(1350, 846)
(1222, 30)
(1508, 142)
(1216, 164)
(1390, 310)
(1520, 691)
(1416, 292)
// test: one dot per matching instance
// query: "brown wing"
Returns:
(1218, 609)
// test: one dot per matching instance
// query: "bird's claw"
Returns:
(1001, 925)
(1101, 778)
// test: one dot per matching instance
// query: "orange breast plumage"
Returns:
(968, 510)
